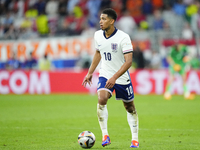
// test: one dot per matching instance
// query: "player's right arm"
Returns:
(95, 62)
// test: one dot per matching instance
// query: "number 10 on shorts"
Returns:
(129, 90)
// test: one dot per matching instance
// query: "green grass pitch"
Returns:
(53, 122)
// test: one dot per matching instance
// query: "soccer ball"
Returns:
(86, 139)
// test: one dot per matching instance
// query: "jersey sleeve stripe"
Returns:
(129, 50)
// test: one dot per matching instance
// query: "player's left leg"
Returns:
(133, 121)
(187, 94)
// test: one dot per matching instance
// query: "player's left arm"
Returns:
(128, 62)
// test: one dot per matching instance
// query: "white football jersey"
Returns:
(112, 52)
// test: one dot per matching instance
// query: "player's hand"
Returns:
(177, 67)
(110, 83)
(87, 79)
(186, 59)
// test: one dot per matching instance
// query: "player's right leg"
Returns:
(102, 112)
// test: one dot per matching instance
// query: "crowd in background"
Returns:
(22, 19)
(29, 19)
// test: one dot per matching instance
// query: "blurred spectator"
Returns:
(117, 5)
(7, 21)
(44, 63)
(126, 23)
(51, 9)
(20, 8)
(12, 63)
(71, 4)
(11, 33)
(42, 24)
(31, 13)
(83, 5)
(169, 16)
(40, 6)
(155, 60)
(31, 62)
(179, 8)
(187, 32)
(6, 5)
(105, 4)
(174, 21)
(26, 6)
(138, 58)
(1, 31)
(62, 7)
(2, 8)
(52, 14)
(27, 33)
(28, 29)
(26, 23)
(53, 26)
(195, 22)
(157, 4)
(93, 8)
(158, 22)
(78, 13)
(135, 7)
(147, 7)
(191, 10)
(72, 25)
(168, 2)
(188, 2)
(32, 2)
(13, 6)
(84, 60)
(141, 33)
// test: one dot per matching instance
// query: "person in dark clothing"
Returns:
(138, 58)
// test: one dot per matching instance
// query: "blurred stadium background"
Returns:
(46, 47)
(47, 44)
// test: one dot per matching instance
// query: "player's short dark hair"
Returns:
(110, 12)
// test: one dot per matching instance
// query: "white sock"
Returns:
(102, 114)
(133, 123)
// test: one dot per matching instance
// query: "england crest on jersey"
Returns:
(114, 47)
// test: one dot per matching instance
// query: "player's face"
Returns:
(105, 22)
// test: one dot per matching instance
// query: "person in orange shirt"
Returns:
(157, 4)
(134, 6)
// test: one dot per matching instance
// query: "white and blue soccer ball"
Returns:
(86, 139)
